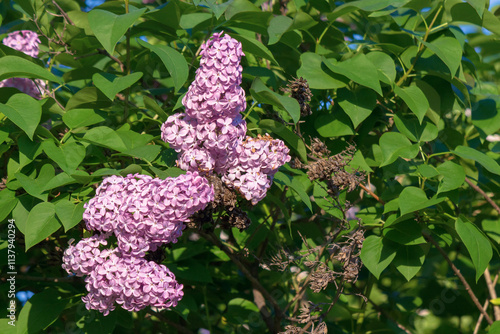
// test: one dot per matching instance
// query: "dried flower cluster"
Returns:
(332, 169)
(210, 135)
(299, 90)
(142, 213)
(27, 42)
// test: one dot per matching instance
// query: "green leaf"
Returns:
(324, 201)
(449, 50)
(295, 186)
(41, 223)
(359, 69)
(174, 62)
(409, 260)
(254, 47)
(479, 6)
(428, 171)
(69, 213)
(169, 15)
(277, 27)
(262, 94)
(395, 145)
(109, 28)
(414, 199)
(8, 202)
(385, 66)
(335, 124)
(88, 98)
(377, 254)
(492, 229)
(302, 21)
(470, 153)
(239, 309)
(476, 243)
(495, 328)
(357, 105)
(485, 116)
(24, 111)
(152, 105)
(239, 6)
(415, 99)
(453, 176)
(77, 118)
(16, 67)
(40, 311)
(125, 141)
(491, 22)
(311, 69)
(407, 232)
(111, 85)
(67, 156)
(293, 141)
(413, 130)
(36, 188)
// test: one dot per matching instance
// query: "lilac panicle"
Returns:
(210, 135)
(143, 213)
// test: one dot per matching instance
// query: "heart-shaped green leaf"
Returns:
(111, 85)
(415, 99)
(67, 156)
(414, 199)
(377, 254)
(36, 187)
(69, 213)
(357, 105)
(109, 28)
(24, 111)
(42, 223)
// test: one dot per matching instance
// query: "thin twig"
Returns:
(63, 13)
(370, 192)
(485, 195)
(493, 293)
(480, 319)
(429, 238)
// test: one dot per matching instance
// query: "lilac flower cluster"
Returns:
(210, 135)
(27, 42)
(143, 213)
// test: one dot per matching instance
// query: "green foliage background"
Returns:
(400, 79)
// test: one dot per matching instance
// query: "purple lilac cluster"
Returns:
(210, 135)
(142, 213)
(27, 42)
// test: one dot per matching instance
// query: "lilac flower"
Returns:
(80, 259)
(133, 283)
(25, 41)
